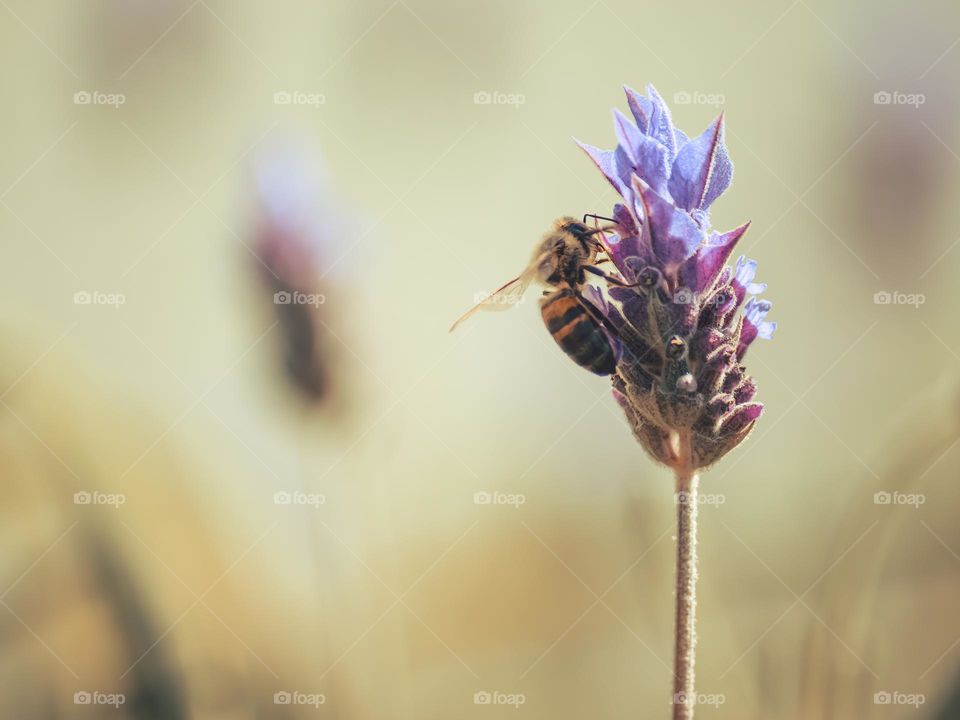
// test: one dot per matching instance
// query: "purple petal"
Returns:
(746, 270)
(741, 417)
(625, 219)
(702, 170)
(648, 158)
(625, 247)
(700, 272)
(628, 254)
(743, 276)
(661, 124)
(672, 233)
(754, 325)
(640, 107)
(624, 169)
(756, 310)
(606, 161)
(720, 177)
(745, 391)
(628, 135)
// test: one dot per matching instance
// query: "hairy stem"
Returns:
(686, 611)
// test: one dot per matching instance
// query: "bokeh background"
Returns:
(412, 152)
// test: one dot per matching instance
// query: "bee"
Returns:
(561, 260)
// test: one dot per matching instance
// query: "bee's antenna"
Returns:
(597, 217)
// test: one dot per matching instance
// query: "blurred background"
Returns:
(248, 474)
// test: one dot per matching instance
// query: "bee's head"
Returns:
(587, 236)
(572, 225)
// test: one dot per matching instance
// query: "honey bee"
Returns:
(561, 260)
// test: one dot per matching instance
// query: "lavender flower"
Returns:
(291, 234)
(685, 320)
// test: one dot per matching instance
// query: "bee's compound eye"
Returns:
(675, 347)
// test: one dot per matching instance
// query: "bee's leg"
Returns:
(593, 312)
(628, 336)
(609, 278)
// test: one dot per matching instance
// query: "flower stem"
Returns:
(685, 629)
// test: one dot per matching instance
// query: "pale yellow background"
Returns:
(400, 597)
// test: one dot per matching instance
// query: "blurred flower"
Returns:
(291, 228)
(683, 319)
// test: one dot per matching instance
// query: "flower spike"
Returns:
(685, 318)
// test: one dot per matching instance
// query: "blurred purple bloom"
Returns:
(291, 239)
(687, 318)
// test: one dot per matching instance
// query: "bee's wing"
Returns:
(503, 298)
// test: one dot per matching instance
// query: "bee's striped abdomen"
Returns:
(577, 333)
